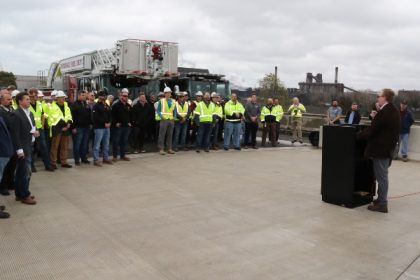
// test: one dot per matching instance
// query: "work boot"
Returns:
(86, 161)
(114, 159)
(97, 163)
(125, 158)
(4, 192)
(66, 165)
(4, 215)
(404, 158)
(107, 161)
(162, 152)
(378, 207)
(171, 152)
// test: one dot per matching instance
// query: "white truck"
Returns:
(138, 65)
(130, 64)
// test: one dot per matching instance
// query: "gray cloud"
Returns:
(375, 43)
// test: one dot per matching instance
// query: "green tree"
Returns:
(270, 87)
(7, 79)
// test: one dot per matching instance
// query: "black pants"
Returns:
(277, 131)
(8, 180)
(140, 136)
(250, 134)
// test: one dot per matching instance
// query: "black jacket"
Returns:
(121, 114)
(383, 134)
(101, 114)
(81, 114)
(6, 145)
(21, 131)
(356, 118)
(142, 115)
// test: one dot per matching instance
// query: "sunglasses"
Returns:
(379, 96)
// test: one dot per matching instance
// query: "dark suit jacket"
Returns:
(6, 145)
(21, 131)
(382, 136)
(356, 118)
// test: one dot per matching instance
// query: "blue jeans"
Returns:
(232, 132)
(41, 145)
(23, 176)
(120, 140)
(80, 143)
(404, 144)
(3, 163)
(203, 135)
(180, 134)
(214, 134)
(101, 137)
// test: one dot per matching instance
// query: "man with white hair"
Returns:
(6, 109)
(165, 111)
(296, 110)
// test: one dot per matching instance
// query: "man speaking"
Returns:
(382, 137)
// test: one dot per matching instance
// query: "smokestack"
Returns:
(336, 75)
(275, 80)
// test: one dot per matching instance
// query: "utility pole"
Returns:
(275, 81)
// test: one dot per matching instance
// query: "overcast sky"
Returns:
(375, 44)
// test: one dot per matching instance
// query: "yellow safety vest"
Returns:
(166, 111)
(37, 114)
(14, 104)
(181, 110)
(296, 112)
(218, 110)
(231, 108)
(205, 112)
(55, 115)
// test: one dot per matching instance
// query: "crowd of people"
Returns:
(33, 125)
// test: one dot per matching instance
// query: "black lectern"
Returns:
(347, 177)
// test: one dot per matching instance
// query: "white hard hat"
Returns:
(40, 94)
(160, 93)
(54, 93)
(167, 89)
(60, 93)
(184, 93)
(124, 90)
(199, 93)
(15, 92)
(214, 94)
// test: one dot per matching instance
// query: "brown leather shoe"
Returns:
(97, 163)
(20, 199)
(29, 200)
(107, 161)
(114, 159)
(125, 158)
(383, 208)
(66, 165)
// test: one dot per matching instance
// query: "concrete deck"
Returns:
(223, 215)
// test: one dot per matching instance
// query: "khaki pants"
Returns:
(297, 129)
(61, 141)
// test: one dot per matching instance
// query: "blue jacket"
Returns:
(6, 145)
(406, 121)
